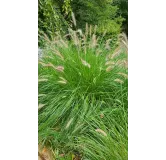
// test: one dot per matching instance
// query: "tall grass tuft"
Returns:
(83, 96)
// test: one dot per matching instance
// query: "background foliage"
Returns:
(50, 17)
(123, 11)
(109, 15)
(96, 12)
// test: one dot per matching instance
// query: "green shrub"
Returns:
(50, 18)
(123, 11)
(96, 12)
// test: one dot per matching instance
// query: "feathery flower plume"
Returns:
(122, 63)
(73, 18)
(109, 63)
(98, 51)
(41, 95)
(42, 80)
(62, 81)
(101, 131)
(90, 30)
(58, 68)
(116, 53)
(94, 41)
(95, 29)
(80, 32)
(46, 38)
(64, 43)
(123, 74)
(125, 44)
(109, 68)
(85, 63)
(107, 45)
(43, 64)
(76, 39)
(41, 106)
(58, 54)
(68, 124)
(119, 81)
(48, 57)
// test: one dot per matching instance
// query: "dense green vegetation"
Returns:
(109, 15)
(83, 82)
(123, 11)
(100, 13)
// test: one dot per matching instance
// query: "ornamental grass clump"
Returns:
(81, 78)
